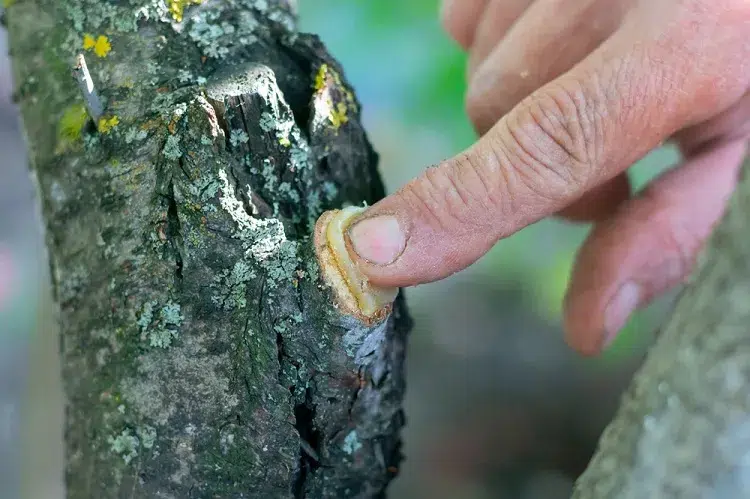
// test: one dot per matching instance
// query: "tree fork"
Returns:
(202, 355)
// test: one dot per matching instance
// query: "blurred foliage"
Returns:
(395, 13)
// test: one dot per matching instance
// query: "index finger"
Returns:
(460, 19)
(573, 134)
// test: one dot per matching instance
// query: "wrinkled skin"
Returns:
(566, 95)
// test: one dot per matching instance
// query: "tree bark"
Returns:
(683, 428)
(202, 355)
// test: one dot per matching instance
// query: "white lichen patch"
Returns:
(226, 442)
(264, 240)
(197, 382)
(351, 443)
(183, 449)
(134, 134)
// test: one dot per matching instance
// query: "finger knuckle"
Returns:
(480, 176)
(677, 241)
(450, 198)
(680, 248)
(556, 139)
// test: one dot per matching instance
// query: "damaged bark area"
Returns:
(203, 354)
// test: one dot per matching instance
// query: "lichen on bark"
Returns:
(202, 354)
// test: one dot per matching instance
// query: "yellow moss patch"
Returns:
(72, 122)
(177, 7)
(99, 45)
(70, 127)
(334, 96)
(106, 125)
(320, 78)
(128, 83)
(339, 115)
(8, 3)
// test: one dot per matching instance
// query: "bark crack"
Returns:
(304, 423)
(300, 106)
(304, 414)
(174, 232)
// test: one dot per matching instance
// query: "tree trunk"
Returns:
(202, 355)
(683, 428)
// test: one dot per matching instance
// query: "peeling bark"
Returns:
(202, 355)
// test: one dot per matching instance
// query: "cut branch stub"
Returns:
(353, 293)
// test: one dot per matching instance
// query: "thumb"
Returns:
(568, 137)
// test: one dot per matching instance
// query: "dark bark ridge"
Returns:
(202, 355)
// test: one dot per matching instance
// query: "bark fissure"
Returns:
(304, 414)
(174, 234)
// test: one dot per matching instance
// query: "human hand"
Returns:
(567, 94)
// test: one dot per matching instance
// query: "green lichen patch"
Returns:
(230, 286)
(219, 31)
(125, 445)
(237, 137)
(147, 436)
(172, 149)
(161, 329)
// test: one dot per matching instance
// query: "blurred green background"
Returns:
(497, 405)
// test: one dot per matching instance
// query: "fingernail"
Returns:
(379, 240)
(624, 303)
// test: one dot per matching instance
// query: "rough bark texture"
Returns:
(683, 429)
(202, 356)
